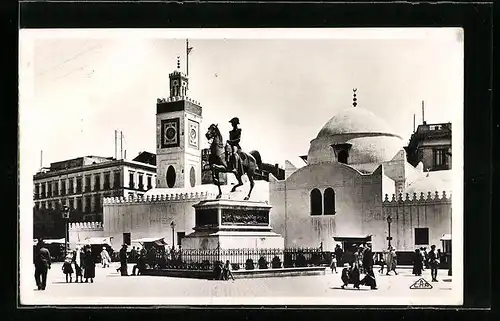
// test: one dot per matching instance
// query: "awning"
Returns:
(96, 240)
(156, 240)
(446, 237)
(358, 238)
(50, 241)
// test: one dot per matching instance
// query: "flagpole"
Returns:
(187, 57)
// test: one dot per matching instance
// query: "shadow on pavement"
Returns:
(351, 289)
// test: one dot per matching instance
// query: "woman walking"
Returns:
(391, 261)
(417, 263)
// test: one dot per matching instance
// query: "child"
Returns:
(227, 271)
(67, 268)
(333, 265)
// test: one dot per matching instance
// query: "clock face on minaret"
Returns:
(170, 132)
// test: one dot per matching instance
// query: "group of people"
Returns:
(136, 256)
(81, 258)
(388, 258)
(84, 263)
(362, 263)
(424, 259)
(223, 271)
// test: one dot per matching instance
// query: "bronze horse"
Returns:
(219, 161)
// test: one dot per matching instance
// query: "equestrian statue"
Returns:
(229, 158)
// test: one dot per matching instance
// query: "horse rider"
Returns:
(234, 142)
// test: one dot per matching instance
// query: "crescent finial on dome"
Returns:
(354, 99)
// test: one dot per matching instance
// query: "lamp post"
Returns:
(172, 225)
(65, 216)
(389, 238)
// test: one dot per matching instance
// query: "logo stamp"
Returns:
(421, 284)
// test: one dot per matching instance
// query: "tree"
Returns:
(48, 223)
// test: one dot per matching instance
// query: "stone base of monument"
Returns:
(232, 230)
(232, 224)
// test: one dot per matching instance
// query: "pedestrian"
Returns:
(123, 260)
(433, 263)
(133, 255)
(78, 262)
(368, 263)
(141, 263)
(426, 258)
(423, 257)
(439, 257)
(350, 275)
(105, 258)
(67, 268)
(339, 255)
(42, 265)
(333, 264)
(227, 271)
(359, 258)
(89, 265)
(382, 261)
(417, 263)
(391, 261)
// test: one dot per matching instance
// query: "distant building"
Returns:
(431, 145)
(83, 182)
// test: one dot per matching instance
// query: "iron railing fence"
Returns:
(240, 259)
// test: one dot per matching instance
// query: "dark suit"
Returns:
(42, 265)
(123, 261)
(369, 278)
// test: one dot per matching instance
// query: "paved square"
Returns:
(109, 284)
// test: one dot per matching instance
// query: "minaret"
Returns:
(178, 118)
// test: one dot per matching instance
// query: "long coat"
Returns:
(389, 260)
(417, 264)
(89, 266)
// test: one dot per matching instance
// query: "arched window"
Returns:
(316, 202)
(329, 201)
(342, 158)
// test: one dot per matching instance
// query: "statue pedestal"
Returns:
(232, 224)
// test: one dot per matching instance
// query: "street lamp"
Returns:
(172, 225)
(389, 238)
(65, 215)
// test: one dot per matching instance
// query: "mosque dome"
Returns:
(354, 120)
(359, 134)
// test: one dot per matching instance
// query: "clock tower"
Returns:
(178, 153)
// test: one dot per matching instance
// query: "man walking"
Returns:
(42, 265)
(123, 260)
(433, 263)
(368, 267)
(338, 254)
(105, 258)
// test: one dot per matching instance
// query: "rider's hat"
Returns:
(235, 120)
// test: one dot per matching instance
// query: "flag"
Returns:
(189, 50)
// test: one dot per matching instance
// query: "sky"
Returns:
(77, 87)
